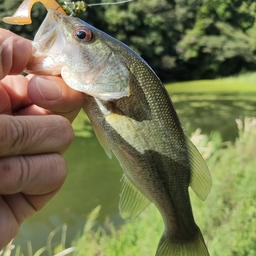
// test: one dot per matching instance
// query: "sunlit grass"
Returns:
(49, 249)
(245, 83)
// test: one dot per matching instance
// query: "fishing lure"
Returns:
(22, 16)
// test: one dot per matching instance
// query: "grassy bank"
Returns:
(227, 218)
(244, 83)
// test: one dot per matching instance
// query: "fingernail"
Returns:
(48, 89)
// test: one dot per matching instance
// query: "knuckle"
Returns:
(17, 134)
(11, 134)
(25, 168)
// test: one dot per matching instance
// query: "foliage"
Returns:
(232, 217)
(222, 40)
(180, 39)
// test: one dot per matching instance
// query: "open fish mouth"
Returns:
(49, 31)
(48, 45)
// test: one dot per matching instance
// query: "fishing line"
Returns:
(120, 2)
(73, 8)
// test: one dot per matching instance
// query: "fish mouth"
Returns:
(48, 45)
(48, 32)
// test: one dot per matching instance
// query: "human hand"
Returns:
(32, 169)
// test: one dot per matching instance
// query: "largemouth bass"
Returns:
(132, 116)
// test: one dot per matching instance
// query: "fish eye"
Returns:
(83, 34)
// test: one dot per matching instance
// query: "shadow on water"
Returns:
(94, 179)
(214, 112)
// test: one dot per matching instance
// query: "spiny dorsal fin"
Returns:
(132, 202)
(201, 181)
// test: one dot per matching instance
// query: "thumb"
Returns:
(52, 93)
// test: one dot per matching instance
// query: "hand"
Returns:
(32, 169)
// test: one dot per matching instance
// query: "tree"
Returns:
(222, 40)
(180, 39)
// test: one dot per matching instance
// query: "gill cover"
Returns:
(107, 81)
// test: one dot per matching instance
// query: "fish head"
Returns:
(88, 60)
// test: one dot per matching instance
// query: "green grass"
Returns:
(245, 83)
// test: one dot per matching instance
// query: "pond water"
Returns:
(94, 179)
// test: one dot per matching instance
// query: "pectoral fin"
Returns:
(132, 202)
(201, 181)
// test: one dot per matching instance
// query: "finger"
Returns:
(32, 175)
(15, 96)
(15, 209)
(34, 134)
(8, 224)
(14, 99)
(52, 93)
(5, 103)
(15, 53)
(40, 176)
(33, 110)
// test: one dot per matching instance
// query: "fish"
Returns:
(134, 118)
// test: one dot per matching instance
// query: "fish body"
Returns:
(133, 117)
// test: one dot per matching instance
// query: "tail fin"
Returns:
(169, 247)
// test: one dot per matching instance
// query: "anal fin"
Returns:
(132, 201)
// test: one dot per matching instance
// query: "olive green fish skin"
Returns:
(162, 172)
(139, 125)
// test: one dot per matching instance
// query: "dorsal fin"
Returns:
(201, 181)
(132, 202)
